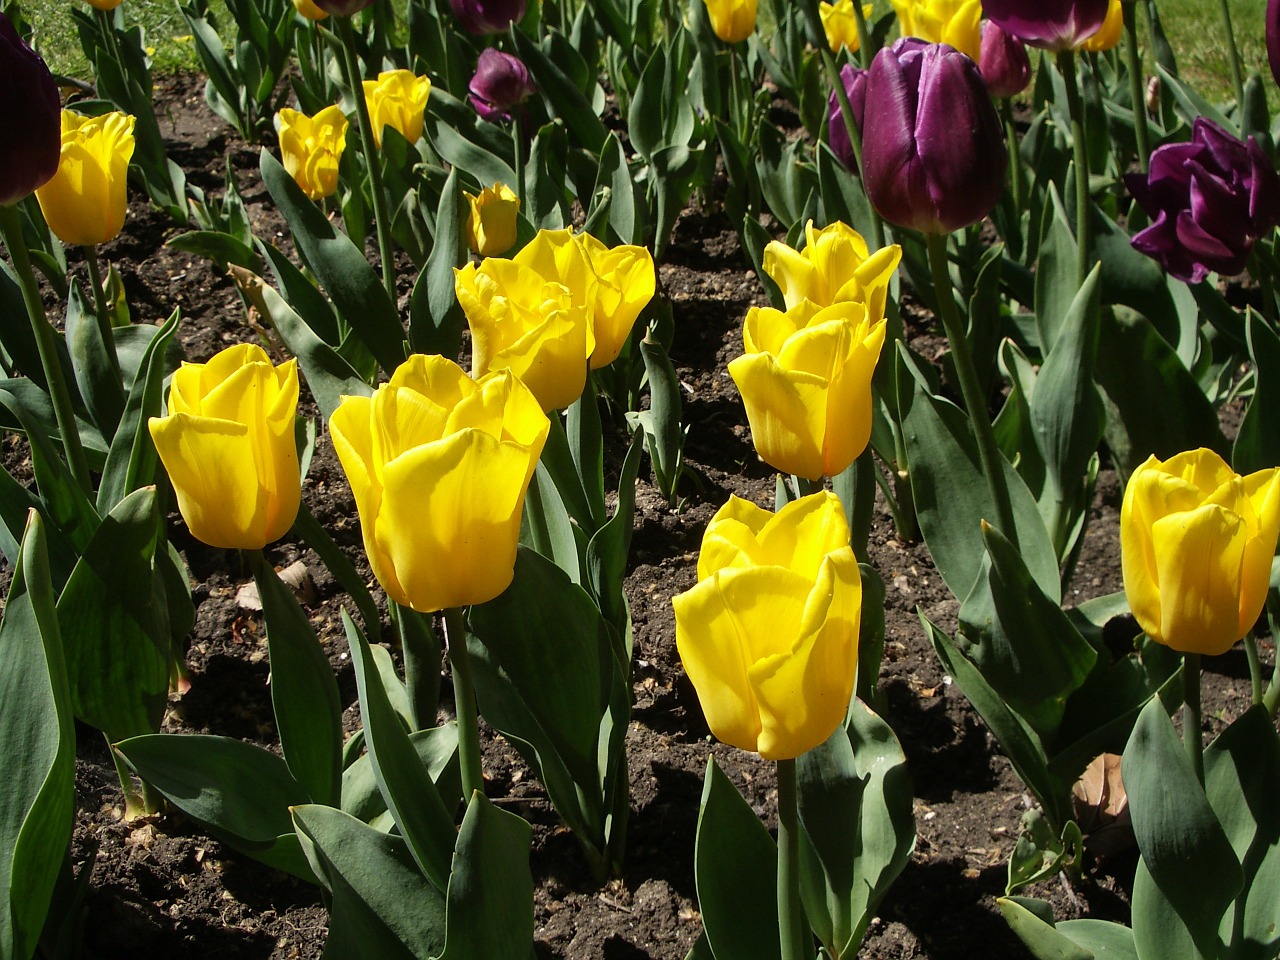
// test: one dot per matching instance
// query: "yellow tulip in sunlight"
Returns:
(309, 10)
(625, 283)
(397, 99)
(228, 447)
(439, 465)
(840, 24)
(833, 266)
(490, 227)
(85, 201)
(312, 147)
(769, 636)
(957, 22)
(1109, 34)
(732, 20)
(805, 380)
(1196, 543)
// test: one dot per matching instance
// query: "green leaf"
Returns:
(608, 549)
(435, 318)
(97, 375)
(1106, 941)
(222, 248)
(1056, 282)
(1042, 938)
(1039, 853)
(437, 747)
(302, 295)
(614, 176)
(562, 95)
(546, 527)
(1257, 445)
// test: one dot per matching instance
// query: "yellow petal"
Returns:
(787, 411)
(1198, 556)
(804, 533)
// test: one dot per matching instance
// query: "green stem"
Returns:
(1255, 666)
(1233, 55)
(100, 304)
(970, 387)
(865, 53)
(46, 342)
(1136, 92)
(464, 697)
(382, 219)
(1192, 739)
(1271, 699)
(141, 802)
(906, 531)
(106, 23)
(1080, 148)
(791, 923)
(1015, 157)
(864, 502)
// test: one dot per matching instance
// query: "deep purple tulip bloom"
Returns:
(343, 8)
(487, 16)
(1273, 37)
(32, 143)
(1005, 66)
(1048, 24)
(501, 82)
(855, 88)
(1209, 200)
(933, 151)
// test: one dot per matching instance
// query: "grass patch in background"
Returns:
(1195, 32)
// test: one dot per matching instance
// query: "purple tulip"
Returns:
(1209, 200)
(32, 112)
(1048, 24)
(1273, 37)
(487, 16)
(501, 82)
(933, 150)
(1005, 66)
(343, 8)
(855, 88)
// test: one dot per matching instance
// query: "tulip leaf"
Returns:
(1056, 271)
(97, 373)
(1257, 445)
(1180, 837)
(1032, 921)
(438, 749)
(615, 176)
(546, 527)
(609, 547)
(586, 447)
(735, 864)
(562, 95)
(37, 749)
(382, 905)
(435, 318)
(1191, 105)
(240, 792)
(1134, 279)
(302, 295)
(341, 266)
(471, 158)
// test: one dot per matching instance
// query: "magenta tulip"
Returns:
(501, 82)
(855, 88)
(31, 109)
(1048, 24)
(1005, 66)
(487, 16)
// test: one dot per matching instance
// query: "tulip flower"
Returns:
(1273, 37)
(343, 8)
(769, 636)
(312, 147)
(625, 283)
(1209, 199)
(956, 22)
(805, 380)
(30, 106)
(85, 200)
(490, 227)
(1055, 25)
(854, 80)
(732, 20)
(500, 83)
(1109, 34)
(439, 465)
(1196, 543)
(308, 9)
(933, 149)
(487, 16)
(397, 99)
(833, 266)
(228, 447)
(840, 24)
(1005, 66)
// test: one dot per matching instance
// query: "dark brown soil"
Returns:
(162, 888)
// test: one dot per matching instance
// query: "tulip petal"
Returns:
(787, 411)
(802, 534)
(1261, 495)
(793, 272)
(1199, 555)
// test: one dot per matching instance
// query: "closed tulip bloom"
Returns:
(854, 80)
(490, 227)
(1109, 34)
(308, 9)
(228, 447)
(833, 266)
(625, 283)
(732, 20)
(29, 104)
(840, 24)
(439, 465)
(500, 83)
(85, 201)
(1005, 66)
(933, 149)
(1196, 543)
(1049, 24)
(1273, 37)
(397, 99)
(805, 380)
(956, 22)
(312, 147)
(487, 16)
(769, 636)
(343, 8)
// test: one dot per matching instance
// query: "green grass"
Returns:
(1199, 42)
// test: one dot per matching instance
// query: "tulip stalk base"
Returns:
(464, 696)
(1080, 150)
(138, 802)
(1192, 737)
(791, 921)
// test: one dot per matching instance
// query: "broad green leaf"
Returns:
(302, 295)
(1257, 445)
(435, 318)
(97, 376)
(437, 747)
(1041, 938)
(563, 96)
(1056, 280)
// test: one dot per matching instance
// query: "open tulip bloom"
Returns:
(312, 148)
(955, 22)
(85, 200)
(397, 99)
(834, 266)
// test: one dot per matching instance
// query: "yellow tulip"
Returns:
(769, 636)
(1109, 34)
(840, 24)
(490, 227)
(732, 20)
(309, 10)
(107, 5)
(439, 465)
(85, 201)
(228, 446)
(397, 99)
(805, 380)
(625, 283)
(957, 22)
(1196, 543)
(833, 266)
(312, 147)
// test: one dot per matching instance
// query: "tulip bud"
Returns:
(397, 99)
(1196, 543)
(855, 88)
(487, 16)
(439, 465)
(840, 24)
(228, 446)
(31, 109)
(312, 147)
(625, 283)
(490, 227)
(1273, 37)
(85, 201)
(954, 22)
(1109, 34)
(769, 636)
(1049, 24)
(732, 20)
(834, 266)
(343, 8)
(501, 82)
(308, 9)
(933, 149)
(1005, 66)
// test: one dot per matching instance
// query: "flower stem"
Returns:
(1080, 147)
(381, 216)
(106, 23)
(1255, 666)
(1192, 739)
(1136, 92)
(791, 923)
(1233, 55)
(137, 802)
(464, 696)
(100, 306)
(970, 387)
(865, 53)
(11, 230)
